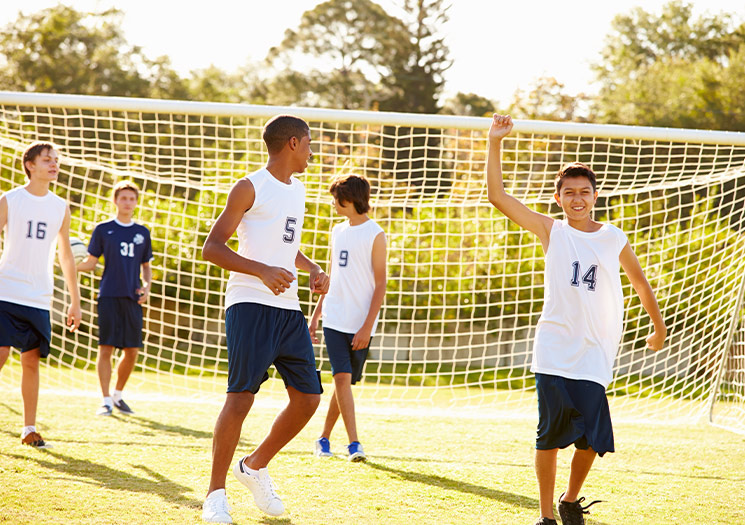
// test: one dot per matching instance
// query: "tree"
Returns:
(344, 47)
(548, 100)
(469, 104)
(673, 70)
(62, 50)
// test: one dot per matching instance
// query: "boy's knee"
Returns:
(308, 403)
(239, 403)
(30, 359)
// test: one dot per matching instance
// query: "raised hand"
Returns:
(501, 125)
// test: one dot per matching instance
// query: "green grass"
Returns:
(154, 468)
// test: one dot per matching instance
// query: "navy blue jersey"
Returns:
(124, 249)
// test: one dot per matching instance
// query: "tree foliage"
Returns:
(673, 70)
(62, 50)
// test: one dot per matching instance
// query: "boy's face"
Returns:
(343, 208)
(45, 167)
(302, 153)
(576, 197)
(126, 201)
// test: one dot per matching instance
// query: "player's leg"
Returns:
(103, 367)
(289, 422)
(545, 471)
(30, 385)
(126, 365)
(332, 416)
(345, 402)
(581, 464)
(227, 434)
(4, 353)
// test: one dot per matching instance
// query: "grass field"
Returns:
(154, 468)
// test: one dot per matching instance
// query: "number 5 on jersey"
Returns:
(289, 235)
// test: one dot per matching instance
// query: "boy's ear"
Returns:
(558, 199)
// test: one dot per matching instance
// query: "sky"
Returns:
(497, 46)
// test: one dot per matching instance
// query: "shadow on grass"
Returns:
(100, 475)
(509, 498)
(11, 409)
(451, 484)
(164, 428)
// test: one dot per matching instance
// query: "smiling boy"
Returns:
(581, 325)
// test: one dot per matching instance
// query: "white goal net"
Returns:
(465, 285)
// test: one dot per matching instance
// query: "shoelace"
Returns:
(268, 488)
(582, 509)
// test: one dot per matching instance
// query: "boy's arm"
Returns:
(215, 249)
(3, 212)
(514, 209)
(88, 264)
(67, 262)
(319, 281)
(147, 281)
(362, 338)
(634, 272)
(313, 325)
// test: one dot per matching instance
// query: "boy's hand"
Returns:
(656, 340)
(313, 329)
(143, 293)
(276, 279)
(362, 338)
(319, 281)
(501, 125)
(73, 317)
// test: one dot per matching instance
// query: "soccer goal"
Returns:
(465, 286)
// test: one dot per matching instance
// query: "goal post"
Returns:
(465, 286)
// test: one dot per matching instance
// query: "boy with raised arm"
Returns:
(579, 331)
(127, 251)
(350, 309)
(263, 321)
(33, 218)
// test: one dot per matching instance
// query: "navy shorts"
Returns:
(259, 335)
(25, 327)
(341, 355)
(119, 322)
(572, 411)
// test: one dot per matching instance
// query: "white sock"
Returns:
(108, 401)
(27, 430)
(117, 395)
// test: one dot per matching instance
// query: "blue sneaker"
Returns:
(323, 448)
(356, 453)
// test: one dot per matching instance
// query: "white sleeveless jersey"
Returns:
(347, 302)
(26, 264)
(582, 321)
(269, 233)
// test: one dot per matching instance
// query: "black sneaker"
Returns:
(123, 407)
(546, 521)
(573, 513)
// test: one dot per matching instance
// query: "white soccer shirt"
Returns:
(26, 264)
(347, 302)
(582, 321)
(269, 233)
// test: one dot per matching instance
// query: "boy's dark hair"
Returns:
(576, 169)
(33, 151)
(354, 189)
(125, 185)
(282, 128)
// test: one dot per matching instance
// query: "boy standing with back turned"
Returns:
(579, 331)
(350, 309)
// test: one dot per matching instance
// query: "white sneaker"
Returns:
(262, 488)
(216, 508)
